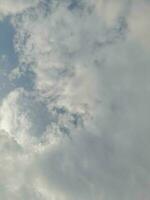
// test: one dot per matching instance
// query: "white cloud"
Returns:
(62, 53)
(13, 121)
(95, 95)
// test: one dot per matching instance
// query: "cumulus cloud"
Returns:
(61, 53)
(82, 131)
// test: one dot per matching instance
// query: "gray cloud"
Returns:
(82, 130)
(13, 7)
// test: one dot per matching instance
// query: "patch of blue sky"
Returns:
(7, 33)
(75, 4)
(25, 80)
(9, 61)
(40, 118)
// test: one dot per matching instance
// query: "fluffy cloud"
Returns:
(82, 132)
(62, 53)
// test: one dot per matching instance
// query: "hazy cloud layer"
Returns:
(13, 7)
(74, 123)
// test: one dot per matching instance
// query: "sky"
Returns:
(74, 100)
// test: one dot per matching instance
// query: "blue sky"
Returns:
(74, 100)
(6, 39)
(9, 61)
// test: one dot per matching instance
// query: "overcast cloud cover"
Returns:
(74, 100)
